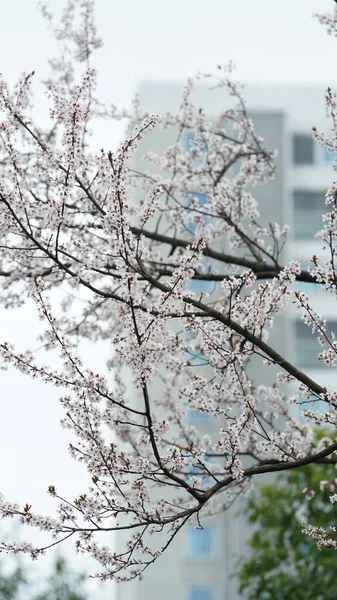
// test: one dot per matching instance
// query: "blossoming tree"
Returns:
(131, 243)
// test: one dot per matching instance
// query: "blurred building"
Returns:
(199, 563)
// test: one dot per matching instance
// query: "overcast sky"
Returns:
(151, 39)
(269, 41)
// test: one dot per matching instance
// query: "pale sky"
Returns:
(269, 41)
(151, 39)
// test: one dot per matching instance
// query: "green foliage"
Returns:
(284, 563)
(61, 585)
(10, 585)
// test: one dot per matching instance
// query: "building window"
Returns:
(328, 157)
(199, 286)
(201, 198)
(315, 405)
(200, 593)
(311, 289)
(189, 146)
(194, 355)
(200, 542)
(303, 150)
(198, 417)
(201, 201)
(307, 346)
(308, 209)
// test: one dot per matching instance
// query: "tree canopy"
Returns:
(130, 244)
(61, 584)
(282, 562)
